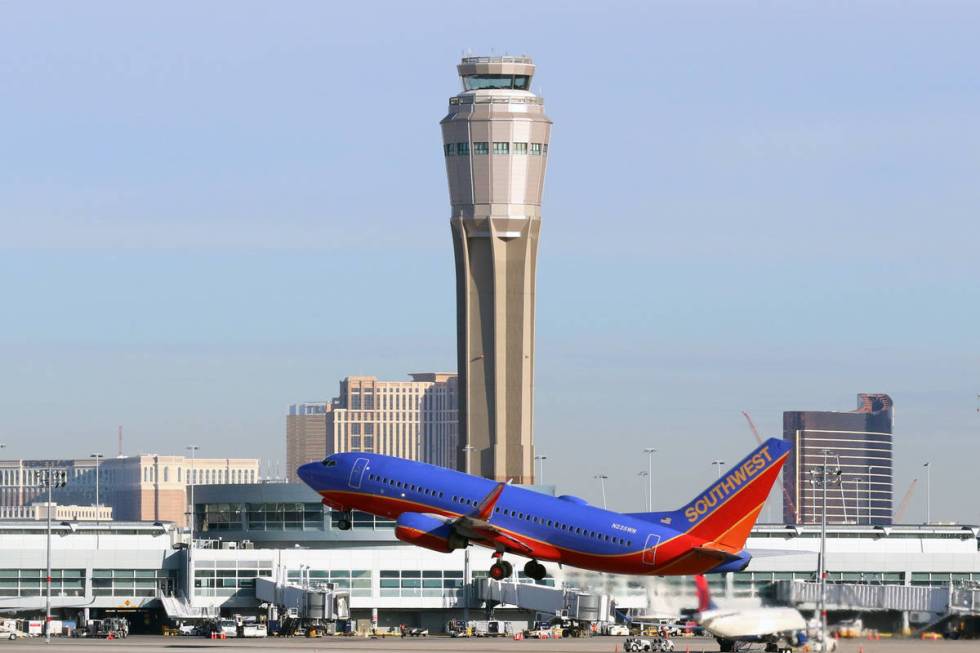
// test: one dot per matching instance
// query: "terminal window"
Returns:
(357, 581)
(28, 582)
(416, 582)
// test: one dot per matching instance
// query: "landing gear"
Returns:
(344, 521)
(535, 570)
(501, 570)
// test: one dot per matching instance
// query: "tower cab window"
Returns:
(479, 82)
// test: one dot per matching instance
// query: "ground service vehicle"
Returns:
(633, 644)
(615, 630)
(254, 629)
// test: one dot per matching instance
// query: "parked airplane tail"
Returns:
(704, 594)
(725, 512)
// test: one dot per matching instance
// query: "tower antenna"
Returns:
(119, 442)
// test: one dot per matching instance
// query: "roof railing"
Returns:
(503, 59)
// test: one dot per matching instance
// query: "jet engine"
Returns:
(428, 532)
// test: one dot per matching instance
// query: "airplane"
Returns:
(444, 510)
(779, 628)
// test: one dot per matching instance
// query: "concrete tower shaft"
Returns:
(495, 140)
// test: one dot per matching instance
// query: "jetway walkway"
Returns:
(569, 602)
(865, 597)
(320, 601)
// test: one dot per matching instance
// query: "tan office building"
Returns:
(146, 487)
(495, 140)
(416, 419)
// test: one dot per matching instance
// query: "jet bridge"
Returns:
(567, 602)
(867, 597)
(318, 601)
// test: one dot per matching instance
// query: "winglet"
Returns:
(485, 509)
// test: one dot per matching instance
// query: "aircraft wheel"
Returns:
(535, 570)
(498, 571)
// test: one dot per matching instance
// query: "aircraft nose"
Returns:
(308, 473)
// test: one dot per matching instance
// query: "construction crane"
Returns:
(904, 505)
(758, 438)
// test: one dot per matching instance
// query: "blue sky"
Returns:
(210, 211)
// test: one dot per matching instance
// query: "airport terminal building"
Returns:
(282, 532)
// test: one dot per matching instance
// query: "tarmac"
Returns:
(149, 644)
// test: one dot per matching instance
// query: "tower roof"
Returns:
(496, 66)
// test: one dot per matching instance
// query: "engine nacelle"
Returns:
(428, 532)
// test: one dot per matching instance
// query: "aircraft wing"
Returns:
(477, 526)
(491, 534)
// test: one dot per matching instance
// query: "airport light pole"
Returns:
(823, 477)
(466, 558)
(718, 465)
(602, 484)
(50, 478)
(646, 496)
(649, 451)
(541, 460)
(98, 457)
(190, 521)
(928, 492)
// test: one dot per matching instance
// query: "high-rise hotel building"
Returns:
(860, 443)
(495, 140)
(416, 419)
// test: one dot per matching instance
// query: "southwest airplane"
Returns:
(444, 510)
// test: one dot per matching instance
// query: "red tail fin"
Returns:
(723, 515)
(704, 594)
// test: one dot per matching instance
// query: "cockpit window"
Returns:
(329, 463)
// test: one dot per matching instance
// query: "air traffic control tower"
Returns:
(495, 139)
